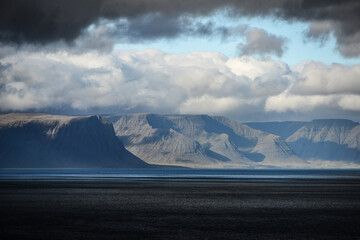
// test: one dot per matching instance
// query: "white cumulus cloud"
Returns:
(154, 81)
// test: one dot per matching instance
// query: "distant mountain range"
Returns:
(149, 140)
(323, 139)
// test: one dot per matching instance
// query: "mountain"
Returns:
(322, 139)
(50, 141)
(201, 141)
(328, 139)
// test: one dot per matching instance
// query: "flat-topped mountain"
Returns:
(323, 139)
(49, 141)
(201, 141)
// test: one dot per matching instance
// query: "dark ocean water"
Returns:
(179, 204)
(180, 174)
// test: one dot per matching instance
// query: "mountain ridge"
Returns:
(200, 141)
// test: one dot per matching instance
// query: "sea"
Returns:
(174, 174)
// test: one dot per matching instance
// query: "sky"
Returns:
(266, 60)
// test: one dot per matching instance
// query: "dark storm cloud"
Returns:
(44, 21)
(155, 26)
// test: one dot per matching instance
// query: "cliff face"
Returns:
(200, 141)
(49, 141)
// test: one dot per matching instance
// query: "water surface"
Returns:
(180, 174)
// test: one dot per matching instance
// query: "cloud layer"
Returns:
(245, 88)
(43, 21)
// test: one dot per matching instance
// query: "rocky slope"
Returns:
(201, 141)
(48, 141)
(324, 139)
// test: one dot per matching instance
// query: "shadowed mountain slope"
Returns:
(200, 141)
(50, 141)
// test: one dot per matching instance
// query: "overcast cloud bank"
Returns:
(154, 81)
